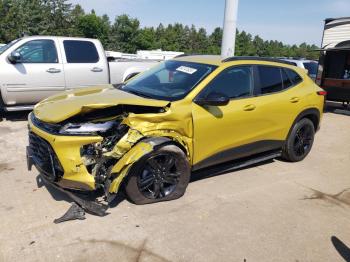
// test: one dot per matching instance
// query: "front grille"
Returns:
(44, 157)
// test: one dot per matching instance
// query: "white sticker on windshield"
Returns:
(187, 70)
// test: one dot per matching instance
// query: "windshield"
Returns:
(5, 47)
(171, 80)
(311, 67)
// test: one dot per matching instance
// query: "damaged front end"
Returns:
(95, 148)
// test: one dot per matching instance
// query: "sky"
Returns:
(289, 21)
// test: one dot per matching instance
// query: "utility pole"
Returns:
(229, 30)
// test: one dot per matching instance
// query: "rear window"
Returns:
(80, 51)
(311, 67)
(270, 79)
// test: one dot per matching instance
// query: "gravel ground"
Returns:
(274, 211)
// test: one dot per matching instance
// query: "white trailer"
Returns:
(334, 63)
(158, 55)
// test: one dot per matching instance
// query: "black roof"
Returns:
(327, 20)
(257, 58)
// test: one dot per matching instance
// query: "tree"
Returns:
(259, 46)
(124, 33)
(93, 26)
(146, 39)
(244, 44)
(60, 17)
(215, 40)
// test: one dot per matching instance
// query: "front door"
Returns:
(222, 133)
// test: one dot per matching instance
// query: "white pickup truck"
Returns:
(33, 68)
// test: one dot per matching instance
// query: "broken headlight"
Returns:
(89, 128)
(93, 154)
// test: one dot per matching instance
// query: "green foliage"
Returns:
(124, 34)
(93, 26)
(58, 17)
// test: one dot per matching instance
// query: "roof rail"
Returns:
(258, 58)
(184, 55)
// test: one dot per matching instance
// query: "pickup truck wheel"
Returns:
(2, 108)
(162, 175)
(300, 141)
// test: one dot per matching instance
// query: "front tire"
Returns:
(162, 175)
(300, 141)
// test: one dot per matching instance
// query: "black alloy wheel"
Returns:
(159, 177)
(303, 140)
(299, 141)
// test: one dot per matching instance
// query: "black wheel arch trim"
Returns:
(307, 112)
(158, 141)
(155, 142)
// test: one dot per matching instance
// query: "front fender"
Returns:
(122, 167)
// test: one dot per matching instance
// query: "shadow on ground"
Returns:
(340, 199)
(337, 108)
(14, 116)
(120, 197)
(342, 249)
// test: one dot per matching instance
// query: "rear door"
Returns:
(85, 63)
(279, 99)
(37, 75)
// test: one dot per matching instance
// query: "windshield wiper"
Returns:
(118, 86)
(136, 93)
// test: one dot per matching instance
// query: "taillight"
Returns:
(322, 93)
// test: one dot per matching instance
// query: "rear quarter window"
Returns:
(80, 51)
(295, 77)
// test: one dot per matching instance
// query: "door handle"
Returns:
(53, 70)
(294, 100)
(96, 69)
(249, 107)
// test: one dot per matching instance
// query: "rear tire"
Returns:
(300, 141)
(162, 175)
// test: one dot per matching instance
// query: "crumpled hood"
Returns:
(60, 107)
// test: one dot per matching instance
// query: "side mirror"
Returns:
(14, 57)
(213, 99)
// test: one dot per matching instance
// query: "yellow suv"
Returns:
(186, 114)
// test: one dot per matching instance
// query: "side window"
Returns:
(286, 80)
(293, 76)
(270, 79)
(38, 51)
(233, 82)
(80, 51)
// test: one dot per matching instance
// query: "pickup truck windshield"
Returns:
(311, 68)
(171, 80)
(5, 47)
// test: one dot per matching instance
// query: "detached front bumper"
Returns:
(58, 158)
